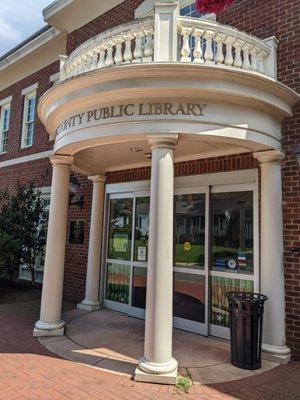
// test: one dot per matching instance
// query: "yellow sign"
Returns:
(187, 246)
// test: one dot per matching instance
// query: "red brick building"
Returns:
(140, 77)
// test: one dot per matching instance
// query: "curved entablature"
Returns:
(214, 110)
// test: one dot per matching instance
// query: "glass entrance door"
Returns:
(190, 262)
(215, 251)
(232, 251)
(127, 253)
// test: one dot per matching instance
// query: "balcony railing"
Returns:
(128, 43)
(196, 41)
(207, 42)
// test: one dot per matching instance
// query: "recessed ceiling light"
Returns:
(148, 155)
(135, 149)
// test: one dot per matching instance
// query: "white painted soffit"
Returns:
(69, 15)
(29, 47)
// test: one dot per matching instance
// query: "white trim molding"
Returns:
(30, 89)
(21, 160)
(29, 47)
(5, 101)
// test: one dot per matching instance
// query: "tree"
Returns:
(10, 243)
(22, 231)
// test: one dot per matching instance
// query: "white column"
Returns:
(91, 301)
(272, 269)
(165, 31)
(157, 364)
(50, 323)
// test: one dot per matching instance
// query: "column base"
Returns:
(164, 379)
(278, 354)
(164, 373)
(42, 329)
(89, 305)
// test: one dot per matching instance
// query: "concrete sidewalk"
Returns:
(29, 371)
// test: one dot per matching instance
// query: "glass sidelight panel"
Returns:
(139, 285)
(189, 296)
(118, 282)
(142, 208)
(219, 305)
(189, 227)
(120, 229)
(232, 232)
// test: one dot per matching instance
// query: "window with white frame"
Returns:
(189, 10)
(4, 126)
(28, 119)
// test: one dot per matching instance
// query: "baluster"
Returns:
(229, 57)
(101, 61)
(109, 62)
(89, 60)
(77, 62)
(219, 39)
(253, 53)
(118, 55)
(261, 55)
(128, 52)
(238, 62)
(78, 65)
(148, 46)
(70, 70)
(185, 50)
(84, 58)
(198, 53)
(94, 62)
(209, 54)
(138, 51)
(246, 59)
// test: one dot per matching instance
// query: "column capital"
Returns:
(165, 140)
(269, 156)
(61, 160)
(97, 178)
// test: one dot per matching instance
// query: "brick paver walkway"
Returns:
(28, 371)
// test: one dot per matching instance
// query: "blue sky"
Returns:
(18, 20)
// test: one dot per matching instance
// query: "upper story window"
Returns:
(190, 11)
(4, 124)
(28, 118)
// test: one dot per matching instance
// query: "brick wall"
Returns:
(233, 162)
(280, 18)
(41, 140)
(118, 15)
(76, 254)
(38, 171)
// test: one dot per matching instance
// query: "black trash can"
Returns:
(246, 321)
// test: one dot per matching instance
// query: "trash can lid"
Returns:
(246, 296)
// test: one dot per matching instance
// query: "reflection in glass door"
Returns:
(127, 253)
(232, 252)
(215, 251)
(190, 266)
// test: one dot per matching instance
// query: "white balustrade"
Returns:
(127, 43)
(201, 41)
(208, 42)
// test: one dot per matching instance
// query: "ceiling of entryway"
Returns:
(134, 154)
